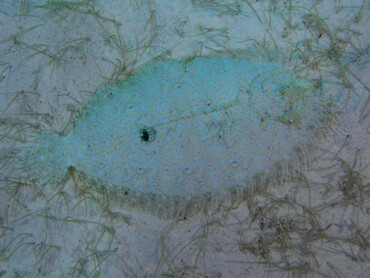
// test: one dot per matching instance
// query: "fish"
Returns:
(182, 136)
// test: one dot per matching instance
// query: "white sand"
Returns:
(317, 224)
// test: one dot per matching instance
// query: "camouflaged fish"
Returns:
(181, 136)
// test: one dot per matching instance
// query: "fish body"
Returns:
(186, 129)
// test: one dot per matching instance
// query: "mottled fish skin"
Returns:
(213, 124)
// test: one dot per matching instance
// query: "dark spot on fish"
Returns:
(148, 134)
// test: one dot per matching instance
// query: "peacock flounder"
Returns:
(181, 136)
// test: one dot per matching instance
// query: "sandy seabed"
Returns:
(55, 54)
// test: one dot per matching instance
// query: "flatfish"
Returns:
(181, 136)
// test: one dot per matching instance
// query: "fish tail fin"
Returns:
(42, 159)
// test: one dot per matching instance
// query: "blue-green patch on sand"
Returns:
(181, 136)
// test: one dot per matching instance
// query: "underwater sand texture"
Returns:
(55, 54)
(181, 136)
